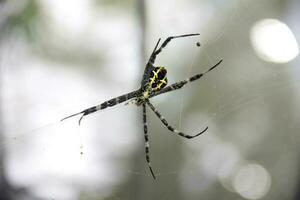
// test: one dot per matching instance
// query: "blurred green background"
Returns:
(60, 57)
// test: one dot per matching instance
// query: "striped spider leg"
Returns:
(110, 103)
(180, 84)
(147, 139)
(154, 82)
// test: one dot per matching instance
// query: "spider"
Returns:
(153, 83)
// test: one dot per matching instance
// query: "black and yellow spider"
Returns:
(153, 83)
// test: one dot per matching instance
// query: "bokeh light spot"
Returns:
(252, 181)
(273, 41)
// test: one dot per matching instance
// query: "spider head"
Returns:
(158, 78)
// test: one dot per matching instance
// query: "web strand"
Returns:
(188, 74)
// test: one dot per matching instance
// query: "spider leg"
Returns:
(180, 84)
(147, 140)
(149, 67)
(106, 104)
(152, 59)
(165, 43)
(164, 121)
(156, 45)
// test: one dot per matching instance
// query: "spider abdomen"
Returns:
(158, 79)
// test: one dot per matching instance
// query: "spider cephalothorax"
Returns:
(153, 83)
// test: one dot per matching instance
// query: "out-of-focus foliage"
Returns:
(22, 18)
(116, 3)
